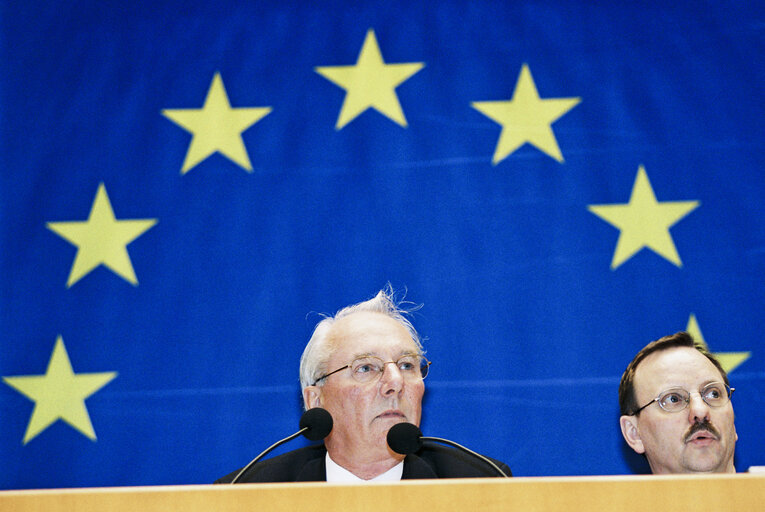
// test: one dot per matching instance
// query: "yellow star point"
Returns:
(101, 240)
(59, 394)
(644, 222)
(526, 118)
(216, 127)
(371, 83)
(728, 360)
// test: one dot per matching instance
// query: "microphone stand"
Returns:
(264, 452)
(457, 445)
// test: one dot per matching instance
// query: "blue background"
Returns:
(528, 327)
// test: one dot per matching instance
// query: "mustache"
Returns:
(699, 426)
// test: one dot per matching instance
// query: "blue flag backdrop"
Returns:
(187, 185)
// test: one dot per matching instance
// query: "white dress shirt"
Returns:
(338, 474)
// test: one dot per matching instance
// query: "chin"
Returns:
(392, 420)
(705, 466)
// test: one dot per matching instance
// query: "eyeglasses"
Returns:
(366, 369)
(715, 394)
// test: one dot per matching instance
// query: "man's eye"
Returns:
(713, 393)
(406, 366)
(673, 398)
(366, 368)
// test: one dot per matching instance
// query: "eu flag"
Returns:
(187, 186)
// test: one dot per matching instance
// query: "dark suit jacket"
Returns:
(308, 465)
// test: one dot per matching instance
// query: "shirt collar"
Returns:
(338, 474)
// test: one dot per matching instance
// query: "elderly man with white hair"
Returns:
(365, 366)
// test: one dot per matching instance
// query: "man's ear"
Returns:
(312, 397)
(631, 433)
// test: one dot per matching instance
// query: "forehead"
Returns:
(683, 367)
(367, 332)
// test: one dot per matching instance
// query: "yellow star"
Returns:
(729, 360)
(526, 118)
(101, 240)
(644, 222)
(370, 83)
(216, 127)
(59, 394)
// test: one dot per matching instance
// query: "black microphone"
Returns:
(315, 424)
(405, 438)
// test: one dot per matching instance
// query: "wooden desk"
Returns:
(712, 493)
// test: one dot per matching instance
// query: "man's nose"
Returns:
(392, 379)
(698, 409)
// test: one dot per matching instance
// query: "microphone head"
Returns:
(319, 423)
(404, 438)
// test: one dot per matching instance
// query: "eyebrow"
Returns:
(375, 354)
(701, 386)
(365, 354)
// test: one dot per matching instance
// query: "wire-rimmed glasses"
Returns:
(369, 368)
(714, 394)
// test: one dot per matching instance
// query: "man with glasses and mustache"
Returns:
(366, 367)
(676, 408)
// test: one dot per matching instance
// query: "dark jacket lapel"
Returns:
(415, 468)
(315, 470)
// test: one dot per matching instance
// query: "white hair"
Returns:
(313, 363)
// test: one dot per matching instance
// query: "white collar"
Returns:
(338, 474)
